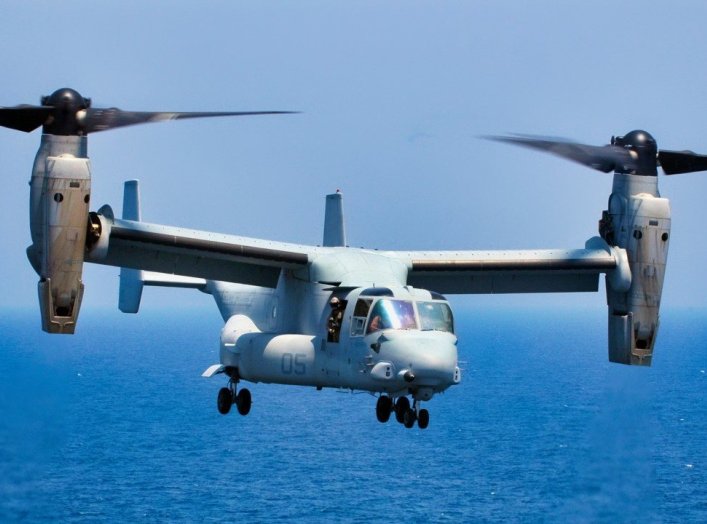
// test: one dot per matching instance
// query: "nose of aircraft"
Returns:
(423, 359)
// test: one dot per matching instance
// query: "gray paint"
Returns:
(334, 228)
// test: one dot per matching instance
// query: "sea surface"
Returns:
(116, 424)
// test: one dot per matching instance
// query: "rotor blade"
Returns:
(24, 118)
(676, 162)
(601, 158)
(103, 119)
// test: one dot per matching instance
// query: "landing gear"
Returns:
(402, 405)
(409, 418)
(405, 414)
(243, 401)
(423, 419)
(224, 401)
(227, 397)
(384, 407)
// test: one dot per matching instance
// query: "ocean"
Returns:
(115, 423)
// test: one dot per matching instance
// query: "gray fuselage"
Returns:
(311, 334)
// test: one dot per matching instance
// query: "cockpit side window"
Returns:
(391, 314)
(435, 316)
(358, 322)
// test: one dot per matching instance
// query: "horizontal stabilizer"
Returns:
(133, 280)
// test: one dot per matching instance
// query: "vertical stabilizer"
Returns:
(131, 200)
(131, 280)
(334, 232)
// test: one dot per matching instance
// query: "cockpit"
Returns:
(375, 313)
(391, 314)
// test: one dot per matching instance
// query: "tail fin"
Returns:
(133, 280)
(131, 200)
(334, 232)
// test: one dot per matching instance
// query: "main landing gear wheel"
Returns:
(423, 419)
(409, 418)
(228, 396)
(402, 405)
(224, 401)
(384, 406)
(243, 401)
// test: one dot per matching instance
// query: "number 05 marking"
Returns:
(293, 364)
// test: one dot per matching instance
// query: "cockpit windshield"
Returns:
(435, 316)
(391, 314)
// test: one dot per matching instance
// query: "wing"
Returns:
(523, 271)
(212, 256)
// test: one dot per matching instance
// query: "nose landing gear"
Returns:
(404, 413)
(227, 397)
(402, 406)
(384, 408)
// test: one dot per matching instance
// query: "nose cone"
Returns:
(423, 358)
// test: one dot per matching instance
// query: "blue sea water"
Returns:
(116, 424)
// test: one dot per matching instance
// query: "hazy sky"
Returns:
(394, 96)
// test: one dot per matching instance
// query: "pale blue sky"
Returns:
(394, 96)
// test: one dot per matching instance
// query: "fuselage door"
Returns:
(333, 340)
(357, 350)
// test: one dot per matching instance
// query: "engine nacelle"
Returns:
(638, 220)
(59, 201)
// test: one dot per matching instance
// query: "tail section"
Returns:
(132, 281)
(131, 200)
(334, 231)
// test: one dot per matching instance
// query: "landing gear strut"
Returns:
(404, 413)
(228, 396)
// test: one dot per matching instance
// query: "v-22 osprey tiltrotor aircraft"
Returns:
(332, 315)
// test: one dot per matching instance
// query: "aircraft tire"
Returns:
(401, 406)
(243, 401)
(409, 418)
(383, 408)
(224, 401)
(423, 419)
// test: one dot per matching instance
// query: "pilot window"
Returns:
(435, 316)
(391, 314)
(358, 322)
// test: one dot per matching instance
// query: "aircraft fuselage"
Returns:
(393, 340)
